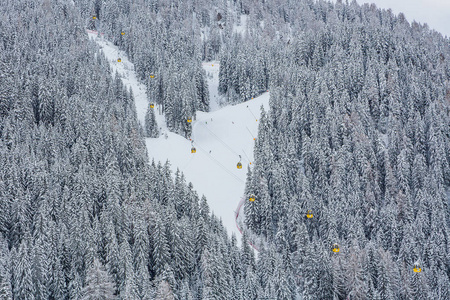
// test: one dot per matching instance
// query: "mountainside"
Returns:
(219, 137)
(83, 215)
(347, 194)
(357, 134)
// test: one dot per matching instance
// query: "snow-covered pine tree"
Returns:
(98, 284)
(160, 252)
(5, 273)
(151, 127)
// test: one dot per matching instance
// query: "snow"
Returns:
(219, 136)
(241, 28)
(125, 69)
(212, 76)
(384, 138)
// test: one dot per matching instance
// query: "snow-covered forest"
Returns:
(349, 193)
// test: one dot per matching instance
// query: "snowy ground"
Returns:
(219, 136)
(212, 76)
(125, 69)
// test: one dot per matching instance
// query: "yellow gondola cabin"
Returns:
(335, 248)
(417, 268)
(252, 198)
(239, 164)
(119, 60)
(309, 214)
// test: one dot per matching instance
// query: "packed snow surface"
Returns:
(219, 136)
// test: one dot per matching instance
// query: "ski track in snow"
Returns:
(219, 136)
(212, 76)
(125, 69)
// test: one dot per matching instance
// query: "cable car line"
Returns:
(220, 164)
(247, 156)
(250, 133)
(220, 140)
(252, 113)
(193, 149)
(187, 164)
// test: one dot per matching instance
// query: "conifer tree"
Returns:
(151, 127)
(5, 273)
(164, 291)
(160, 253)
(22, 276)
(99, 284)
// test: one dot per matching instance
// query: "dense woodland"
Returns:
(357, 132)
(83, 215)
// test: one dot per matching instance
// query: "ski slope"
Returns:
(219, 136)
(125, 69)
